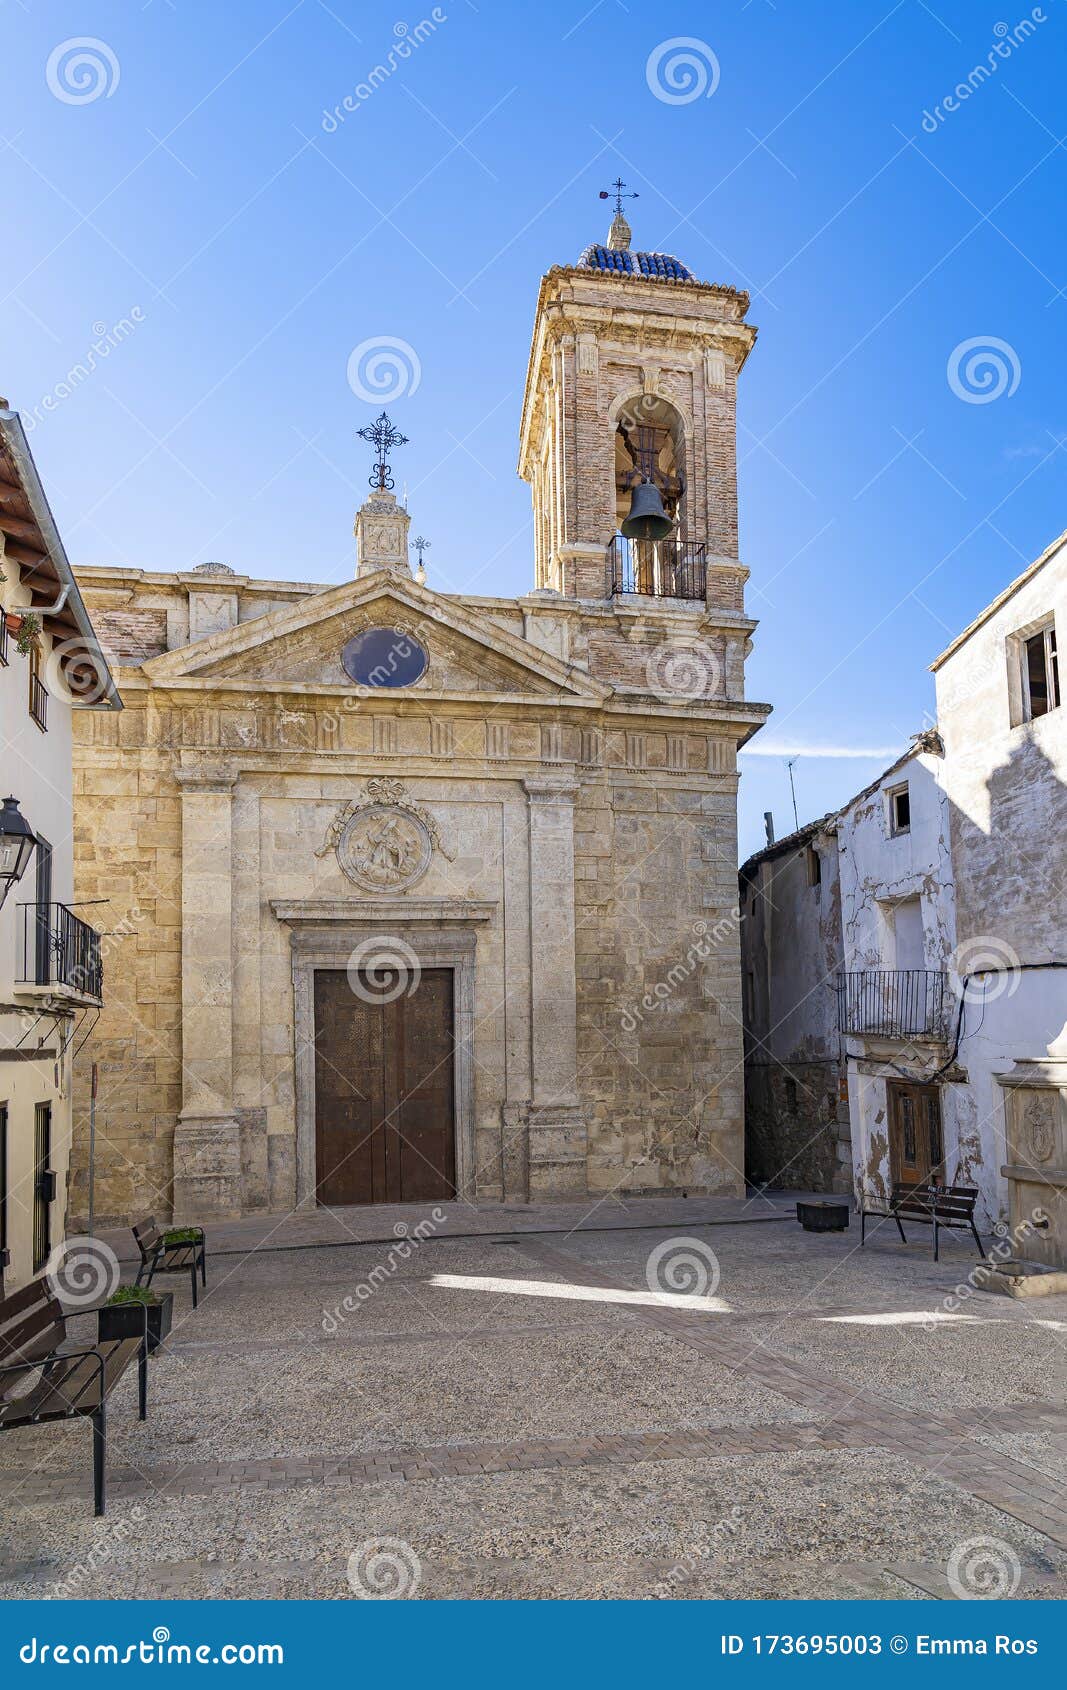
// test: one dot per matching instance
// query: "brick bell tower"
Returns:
(633, 376)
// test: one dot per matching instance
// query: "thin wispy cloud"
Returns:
(763, 748)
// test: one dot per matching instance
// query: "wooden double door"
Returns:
(916, 1146)
(384, 1088)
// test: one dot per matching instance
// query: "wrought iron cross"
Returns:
(420, 546)
(383, 437)
(618, 185)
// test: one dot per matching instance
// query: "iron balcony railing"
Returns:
(662, 569)
(38, 701)
(892, 1003)
(56, 948)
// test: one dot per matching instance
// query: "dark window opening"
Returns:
(900, 810)
(814, 867)
(790, 1093)
(43, 942)
(1041, 669)
(44, 1183)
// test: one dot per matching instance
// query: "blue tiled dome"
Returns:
(652, 264)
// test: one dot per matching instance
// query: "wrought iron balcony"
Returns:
(661, 569)
(892, 1003)
(58, 950)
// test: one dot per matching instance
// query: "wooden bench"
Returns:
(948, 1206)
(157, 1256)
(70, 1383)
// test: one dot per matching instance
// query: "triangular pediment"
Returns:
(300, 646)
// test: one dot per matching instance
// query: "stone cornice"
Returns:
(359, 911)
(207, 777)
(552, 789)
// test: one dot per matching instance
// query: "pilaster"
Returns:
(207, 1137)
(558, 1130)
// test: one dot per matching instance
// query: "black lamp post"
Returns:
(17, 841)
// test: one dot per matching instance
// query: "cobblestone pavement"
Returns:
(742, 1410)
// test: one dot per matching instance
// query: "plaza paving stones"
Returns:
(528, 1435)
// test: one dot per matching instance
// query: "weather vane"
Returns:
(420, 546)
(383, 437)
(618, 185)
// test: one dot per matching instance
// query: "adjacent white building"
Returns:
(50, 957)
(940, 936)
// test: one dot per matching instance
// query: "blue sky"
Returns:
(886, 495)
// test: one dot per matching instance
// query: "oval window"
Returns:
(384, 657)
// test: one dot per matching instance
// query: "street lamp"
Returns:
(17, 841)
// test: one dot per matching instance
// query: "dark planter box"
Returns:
(823, 1217)
(126, 1320)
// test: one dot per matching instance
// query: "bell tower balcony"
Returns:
(660, 569)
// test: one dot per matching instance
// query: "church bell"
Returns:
(647, 519)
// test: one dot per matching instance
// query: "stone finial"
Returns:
(620, 234)
(381, 531)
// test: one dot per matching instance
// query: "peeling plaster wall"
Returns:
(880, 871)
(1005, 785)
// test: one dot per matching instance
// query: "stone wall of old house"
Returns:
(127, 853)
(796, 1123)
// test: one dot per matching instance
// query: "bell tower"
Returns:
(630, 410)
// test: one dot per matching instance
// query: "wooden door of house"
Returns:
(384, 1098)
(916, 1147)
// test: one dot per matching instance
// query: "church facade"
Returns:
(420, 893)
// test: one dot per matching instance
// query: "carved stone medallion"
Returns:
(383, 842)
(1039, 1126)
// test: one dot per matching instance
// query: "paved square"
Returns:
(522, 1417)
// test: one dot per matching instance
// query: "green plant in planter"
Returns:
(132, 1294)
(29, 633)
(182, 1235)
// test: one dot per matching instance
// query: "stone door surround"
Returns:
(325, 933)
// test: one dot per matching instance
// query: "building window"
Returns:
(44, 1185)
(814, 866)
(791, 1094)
(899, 799)
(1039, 673)
(38, 692)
